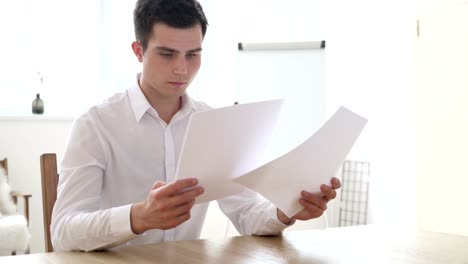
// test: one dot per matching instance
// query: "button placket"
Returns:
(169, 235)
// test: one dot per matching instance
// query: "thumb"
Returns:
(158, 185)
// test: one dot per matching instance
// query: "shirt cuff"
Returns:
(120, 225)
(274, 223)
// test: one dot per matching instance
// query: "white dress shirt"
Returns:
(115, 153)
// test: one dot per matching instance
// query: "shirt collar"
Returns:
(141, 106)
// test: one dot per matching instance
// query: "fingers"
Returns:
(175, 194)
(184, 197)
(181, 209)
(176, 213)
(158, 184)
(181, 218)
(328, 192)
(315, 204)
(311, 210)
(178, 186)
(335, 183)
(175, 221)
(313, 200)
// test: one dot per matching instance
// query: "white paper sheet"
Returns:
(309, 165)
(225, 143)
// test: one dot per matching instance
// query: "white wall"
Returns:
(414, 92)
(58, 39)
(440, 98)
(368, 68)
(22, 141)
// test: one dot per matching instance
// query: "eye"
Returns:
(191, 55)
(167, 55)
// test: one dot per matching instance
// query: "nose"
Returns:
(180, 66)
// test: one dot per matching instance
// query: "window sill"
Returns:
(33, 117)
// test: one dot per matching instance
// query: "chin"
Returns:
(175, 92)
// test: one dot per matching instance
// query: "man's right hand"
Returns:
(166, 206)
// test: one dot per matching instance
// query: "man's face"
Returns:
(171, 60)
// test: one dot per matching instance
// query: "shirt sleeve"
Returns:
(78, 222)
(252, 214)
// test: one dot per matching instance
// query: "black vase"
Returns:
(38, 105)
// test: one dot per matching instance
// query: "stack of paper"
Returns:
(224, 149)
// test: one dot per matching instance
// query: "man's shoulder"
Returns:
(112, 107)
(115, 102)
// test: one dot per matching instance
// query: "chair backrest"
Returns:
(4, 165)
(49, 177)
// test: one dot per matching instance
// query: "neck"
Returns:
(166, 107)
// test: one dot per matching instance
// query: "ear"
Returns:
(138, 50)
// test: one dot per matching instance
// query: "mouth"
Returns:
(177, 84)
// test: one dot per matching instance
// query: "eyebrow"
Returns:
(176, 51)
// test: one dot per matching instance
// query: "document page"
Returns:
(224, 143)
(309, 165)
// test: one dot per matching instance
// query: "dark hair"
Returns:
(174, 13)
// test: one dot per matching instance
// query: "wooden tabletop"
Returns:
(361, 244)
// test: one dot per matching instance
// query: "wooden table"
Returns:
(362, 244)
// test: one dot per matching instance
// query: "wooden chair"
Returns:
(16, 194)
(49, 178)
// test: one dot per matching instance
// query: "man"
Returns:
(117, 181)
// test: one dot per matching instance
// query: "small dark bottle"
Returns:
(38, 105)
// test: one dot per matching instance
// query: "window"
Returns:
(71, 44)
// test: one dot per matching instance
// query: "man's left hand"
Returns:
(314, 203)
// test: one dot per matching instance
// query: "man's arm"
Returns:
(78, 222)
(252, 214)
